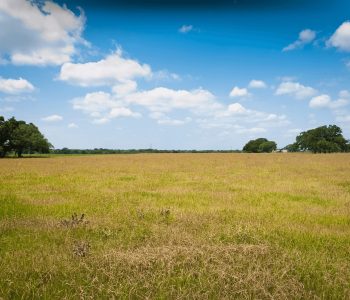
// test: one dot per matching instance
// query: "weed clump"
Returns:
(81, 248)
(74, 221)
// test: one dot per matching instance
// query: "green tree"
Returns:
(6, 129)
(292, 147)
(20, 137)
(260, 145)
(324, 139)
(267, 147)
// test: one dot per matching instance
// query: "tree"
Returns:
(20, 137)
(6, 128)
(267, 147)
(260, 145)
(324, 139)
(292, 147)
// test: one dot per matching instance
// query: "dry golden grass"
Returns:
(171, 226)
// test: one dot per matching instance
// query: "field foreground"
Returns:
(176, 226)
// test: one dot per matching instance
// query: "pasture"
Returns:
(171, 226)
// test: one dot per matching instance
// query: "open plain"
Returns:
(172, 226)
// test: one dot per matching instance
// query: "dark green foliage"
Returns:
(260, 145)
(292, 147)
(267, 147)
(20, 137)
(324, 139)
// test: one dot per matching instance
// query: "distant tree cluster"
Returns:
(260, 145)
(133, 151)
(20, 137)
(324, 139)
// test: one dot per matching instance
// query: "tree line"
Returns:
(133, 151)
(20, 138)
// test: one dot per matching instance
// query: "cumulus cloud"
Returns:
(53, 118)
(325, 101)
(236, 108)
(163, 99)
(34, 33)
(112, 70)
(186, 28)
(253, 130)
(15, 86)
(295, 89)
(344, 94)
(320, 101)
(236, 113)
(199, 104)
(341, 37)
(237, 92)
(125, 87)
(173, 122)
(305, 37)
(72, 125)
(343, 117)
(102, 107)
(257, 84)
(165, 75)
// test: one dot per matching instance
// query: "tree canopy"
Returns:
(323, 139)
(20, 137)
(260, 145)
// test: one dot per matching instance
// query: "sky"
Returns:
(175, 74)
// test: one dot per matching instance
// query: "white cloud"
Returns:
(165, 75)
(339, 103)
(344, 94)
(72, 125)
(15, 86)
(305, 37)
(236, 108)
(163, 119)
(53, 118)
(112, 70)
(39, 34)
(341, 37)
(343, 118)
(164, 100)
(236, 113)
(186, 28)
(102, 107)
(253, 130)
(239, 92)
(320, 101)
(174, 122)
(125, 88)
(295, 89)
(325, 101)
(257, 84)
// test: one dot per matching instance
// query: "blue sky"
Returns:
(139, 74)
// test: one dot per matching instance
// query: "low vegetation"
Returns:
(170, 226)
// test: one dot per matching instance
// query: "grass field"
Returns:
(172, 226)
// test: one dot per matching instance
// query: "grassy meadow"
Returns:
(171, 226)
